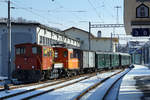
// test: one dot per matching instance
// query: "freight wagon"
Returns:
(110, 60)
(86, 60)
(125, 59)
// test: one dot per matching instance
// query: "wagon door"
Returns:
(85, 59)
(91, 59)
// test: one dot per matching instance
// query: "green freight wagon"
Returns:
(125, 59)
(103, 60)
(115, 60)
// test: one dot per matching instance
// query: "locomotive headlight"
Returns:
(33, 67)
(18, 67)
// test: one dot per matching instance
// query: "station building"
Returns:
(104, 44)
(25, 32)
(137, 17)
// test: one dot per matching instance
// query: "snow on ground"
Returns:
(22, 89)
(35, 92)
(2, 80)
(133, 84)
(1, 83)
(72, 91)
(99, 92)
(66, 93)
(113, 94)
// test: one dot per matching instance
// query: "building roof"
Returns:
(79, 30)
(105, 38)
(39, 25)
(32, 23)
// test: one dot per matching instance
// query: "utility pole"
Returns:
(111, 44)
(9, 41)
(89, 35)
(117, 17)
(118, 43)
(89, 43)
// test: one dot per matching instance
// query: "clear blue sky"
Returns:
(67, 13)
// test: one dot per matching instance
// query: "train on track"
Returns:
(37, 62)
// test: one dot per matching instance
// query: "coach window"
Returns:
(65, 54)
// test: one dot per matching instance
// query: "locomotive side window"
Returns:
(71, 55)
(44, 52)
(50, 53)
(21, 50)
(17, 51)
(56, 54)
(36, 50)
(65, 54)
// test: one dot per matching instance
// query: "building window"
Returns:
(40, 39)
(4, 30)
(142, 11)
(44, 40)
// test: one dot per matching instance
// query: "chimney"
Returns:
(99, 34)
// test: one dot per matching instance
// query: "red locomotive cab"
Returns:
(33, 61)
(28, 56)
(32, 56)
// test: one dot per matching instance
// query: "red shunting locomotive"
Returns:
(33, 62)
(36, 62)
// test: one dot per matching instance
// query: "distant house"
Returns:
(97, 43)
(81, 35)
(104, 44)
(26, 32)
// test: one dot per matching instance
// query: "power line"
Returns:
(94, 9)
(71, 11)
(30, 10)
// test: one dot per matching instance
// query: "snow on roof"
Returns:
(80, 30)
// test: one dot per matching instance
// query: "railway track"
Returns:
(98, 84)
(11, 86)
(41, 87)
(45, 86)
(112, 86)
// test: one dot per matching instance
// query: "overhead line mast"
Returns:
(9, 41)
(117, 17)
